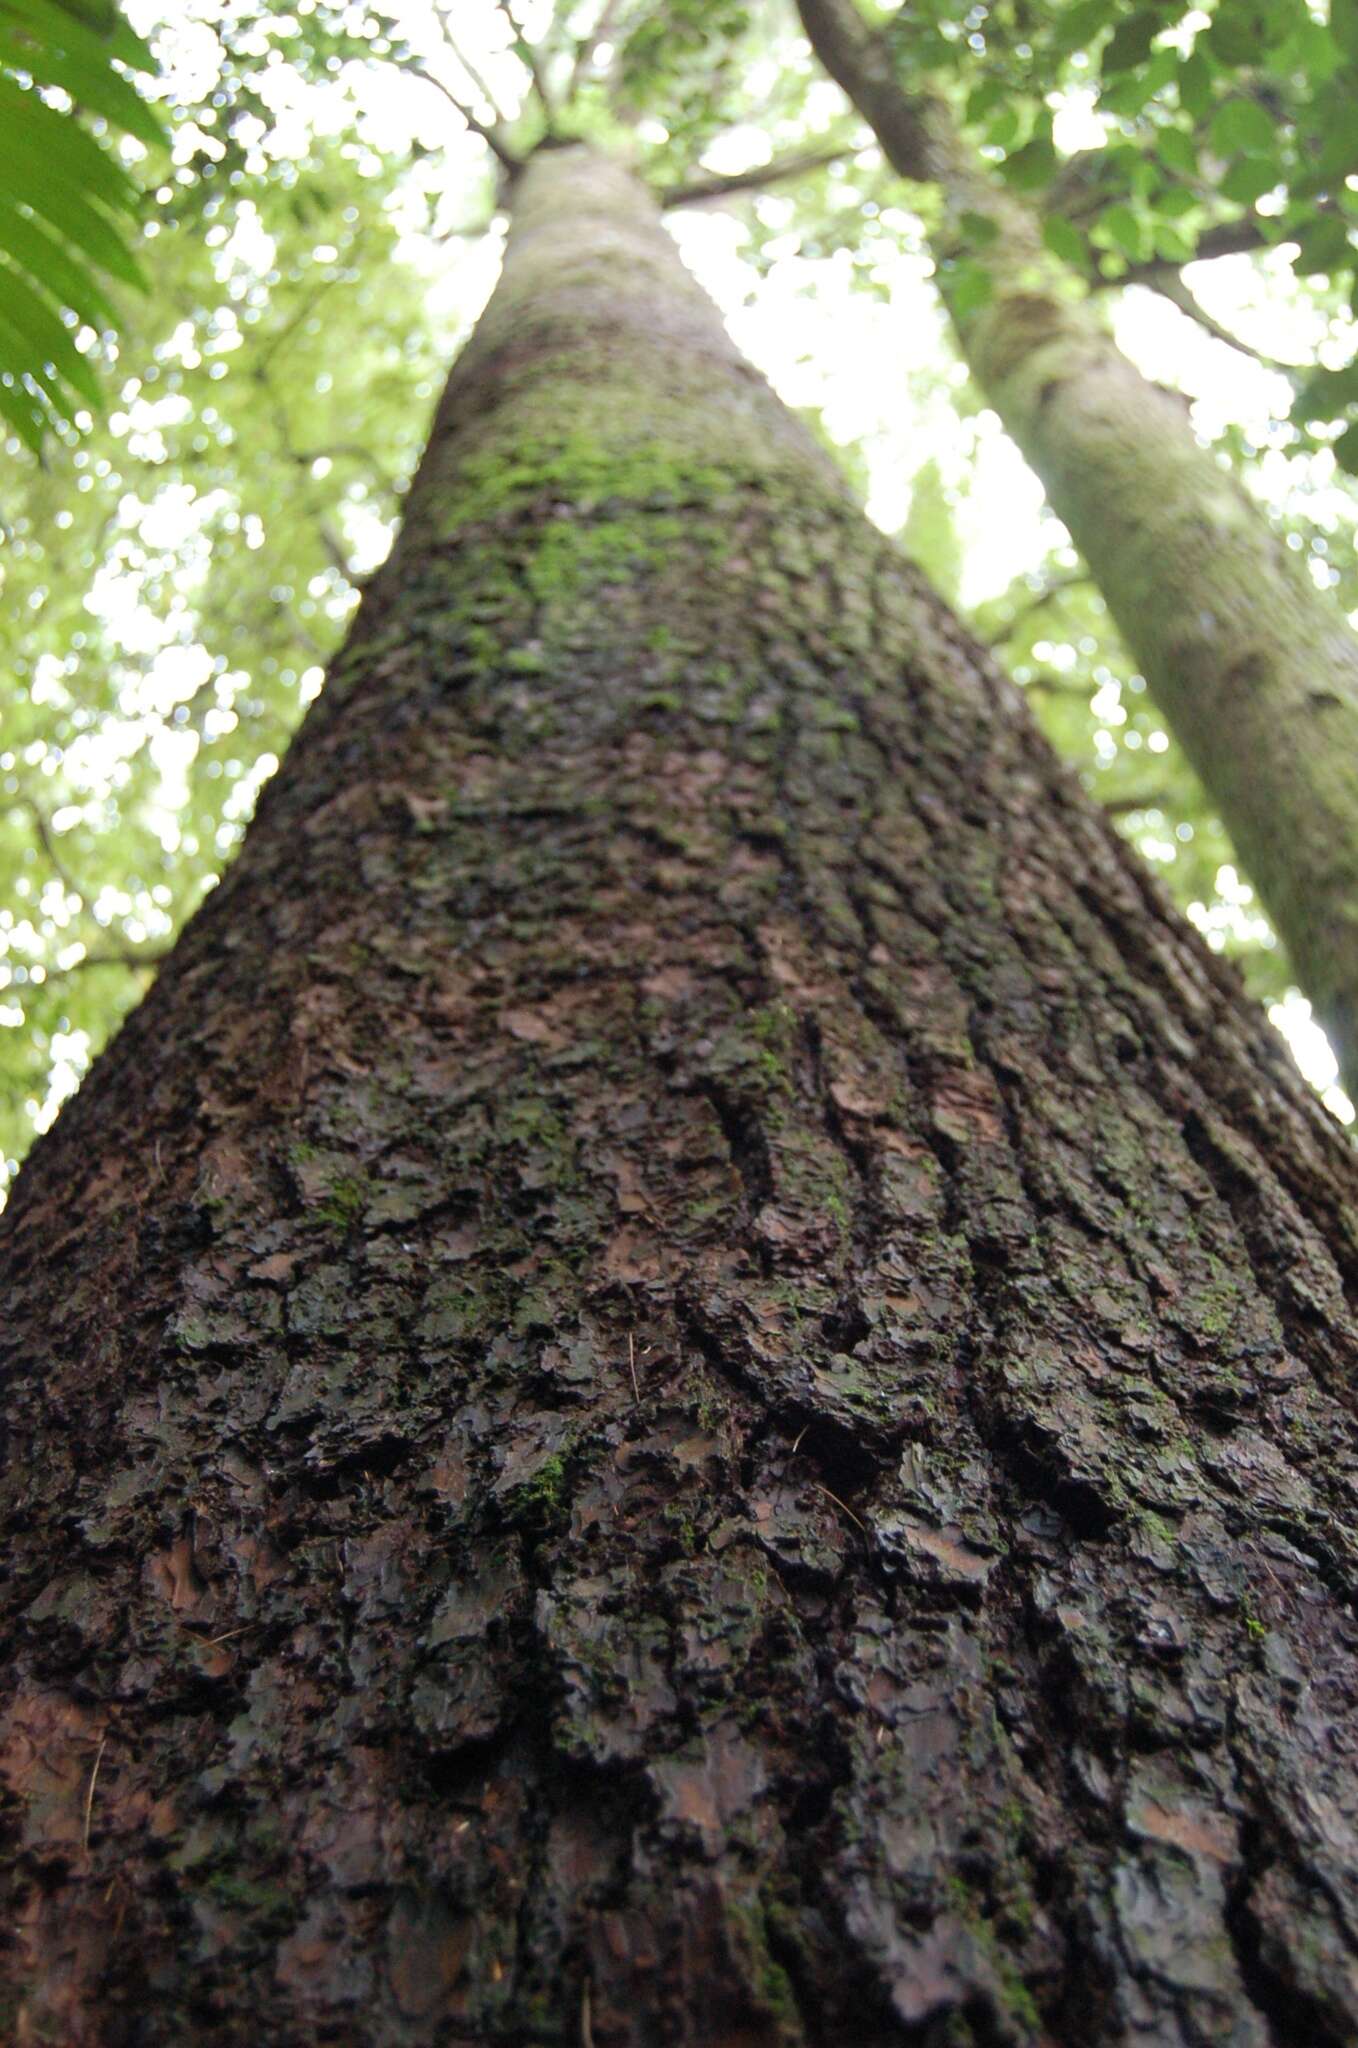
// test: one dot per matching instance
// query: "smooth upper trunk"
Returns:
(1254, 669)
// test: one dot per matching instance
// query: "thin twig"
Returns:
(488, 135)
(586, 2018)
(696, 190)
(129, 959)
(89, 1790)
(63, 874)
(1176, 291)
(1124, 806)
(335, 555)
(1057, 686)
(588, 44)
(295, 320)
(472, 232)
(840, 1504)
(1228, 238)
(467, 68)
(528, 57)
(1039, 602)
(632, 1362)
(335, 452)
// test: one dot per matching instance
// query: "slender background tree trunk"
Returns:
(689, 1381)
(1254, 669)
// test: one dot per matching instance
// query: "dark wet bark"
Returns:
(690, 1378)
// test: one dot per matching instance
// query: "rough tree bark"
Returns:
(689, 1380)
(1254, 669)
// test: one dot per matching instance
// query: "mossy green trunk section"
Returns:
(690, 1380)
(1254, 669)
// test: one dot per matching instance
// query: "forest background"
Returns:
(198, 492)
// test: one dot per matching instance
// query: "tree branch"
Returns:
(1045, 685)
(1039, 600)
(335, 555)
(588, 44)
(293, 322)
(1177, 293)
(50, 974)
(490, 136)
(45, 835)
(528, 57)
(1227, 238)
(467, 68)
(472, 231)
(858, 60)
(696, 190)
(151, 958)
(305, 457)
(1123, 806)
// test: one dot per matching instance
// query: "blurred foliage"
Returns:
(177, 572)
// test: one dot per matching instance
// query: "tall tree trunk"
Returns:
(1253, 668)
(689, 1379)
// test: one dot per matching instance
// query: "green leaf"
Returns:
(63, 203)
(100, 14)
(1172, 202)
(980, 229)
(61, 192)
(1312, 49)
(97, 89)
(1143, 178)
(1171, 244)
(970, 287)
(36, 130)
(1327, 393)
(28, 419)
(33, 320)
(1132, 92)
(1339, 151)
(1032, 166)
(1238, 33)
(1249, 179)
(1344, 26)
(1130, 42)
(930, 535)
(30, 373)
(1195, 84)
(1125, 230)
(31, 248)
(1242, 125)
(1078, 26)
(983, 99)
(1321, 245)
(1176, 152)
(1003, 129)
(1064, 239)
(48, 42)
